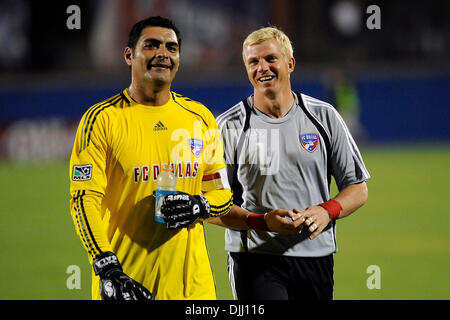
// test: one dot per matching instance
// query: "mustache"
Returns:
(159, 62)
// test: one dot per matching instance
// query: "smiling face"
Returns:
(155, 58)
(267, 68)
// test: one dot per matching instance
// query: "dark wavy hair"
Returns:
(156, 21)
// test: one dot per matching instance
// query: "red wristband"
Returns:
(333, 207)
(256, 221)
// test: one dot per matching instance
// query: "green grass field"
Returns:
(402, 229)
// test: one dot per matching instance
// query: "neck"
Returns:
(274, 105)
(150, 95)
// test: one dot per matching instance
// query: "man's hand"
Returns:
(181, 209)
(315, 218)
(114, 284)
(284, 221)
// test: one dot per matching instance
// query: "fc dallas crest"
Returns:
(309, 141)
(196, 146)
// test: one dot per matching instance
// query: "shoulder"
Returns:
(315, 104)
(96, 119)
(233, 117)
(194, 107)
(101, 114)
(323, 111)
(105, 107)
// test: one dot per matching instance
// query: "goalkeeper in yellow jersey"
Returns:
(121, 146)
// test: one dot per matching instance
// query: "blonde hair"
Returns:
(268, 33)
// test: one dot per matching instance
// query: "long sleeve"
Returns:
(88, 181)
(215, 186)
(220, 202)
(85, 210)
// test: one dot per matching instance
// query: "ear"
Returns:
(128, 55)
(291, 64)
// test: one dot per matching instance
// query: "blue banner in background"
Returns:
(391, 109)
(406, 109)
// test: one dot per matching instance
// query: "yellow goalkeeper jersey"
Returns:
(119, 149)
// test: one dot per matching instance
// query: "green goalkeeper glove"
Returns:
(114, 284)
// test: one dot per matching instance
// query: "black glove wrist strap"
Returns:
(105, 262)
(206, 209)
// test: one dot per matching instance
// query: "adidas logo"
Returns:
(159, 126)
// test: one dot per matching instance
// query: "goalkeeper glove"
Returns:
(114, 284)
(181, 209)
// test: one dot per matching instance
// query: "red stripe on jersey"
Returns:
(210, 177)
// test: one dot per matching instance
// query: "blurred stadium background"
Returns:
(391, 84)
